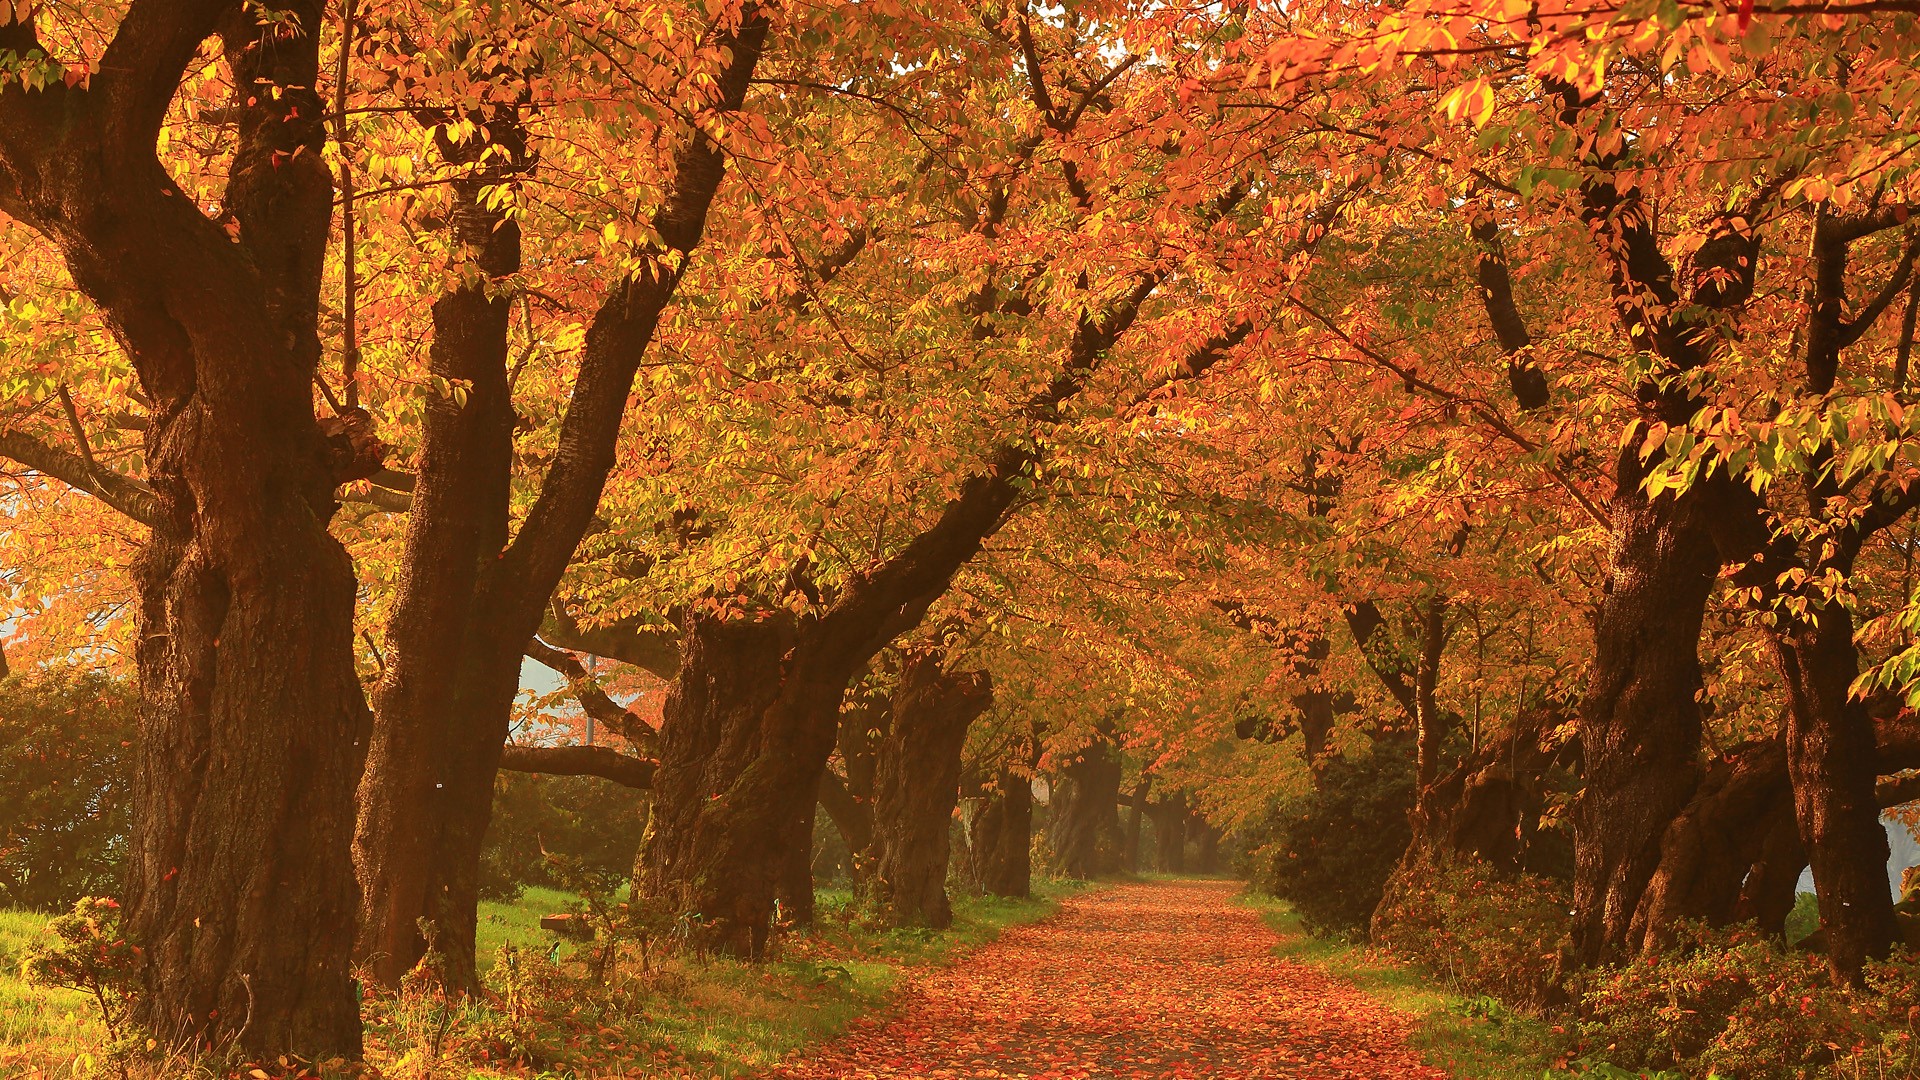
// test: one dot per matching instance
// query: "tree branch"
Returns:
(125, 494)
(601, 761)
(593, 699)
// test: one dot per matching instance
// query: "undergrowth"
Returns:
(551, 1012)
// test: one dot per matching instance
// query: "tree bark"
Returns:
(1489, 806)
(1170, 833)
(1708, 850)
(1640, 725)
(1207, 846)
(253, 722)
(439, 800)
(456, 528)
(917, 785)
(1084, 829)
(795, 893)
(1830, 757)
(1000, 848)
(733, 774)
(1136, 814)
(1431, 725)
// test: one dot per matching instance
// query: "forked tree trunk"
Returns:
(253, 721)
(440, 800)
(1000, 854)
(1084, 829)
(1640, 725)
(917, 785)
(1710, 851)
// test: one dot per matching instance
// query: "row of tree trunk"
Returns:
(266, 788)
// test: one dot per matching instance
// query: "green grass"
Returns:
(738, 1019)
(519, 922)
(59, 1025)
(1473, 1038)
(720, 1018)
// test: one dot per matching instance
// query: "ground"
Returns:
(710, 1020)
(1158, 979)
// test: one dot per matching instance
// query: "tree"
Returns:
(253, 722)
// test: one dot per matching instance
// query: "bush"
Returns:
(1733, 1002)
(592, 825)
(1506, 937)
(1330, 852)
(66, 759)
(87, 950)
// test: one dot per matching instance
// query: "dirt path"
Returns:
(1161, 979)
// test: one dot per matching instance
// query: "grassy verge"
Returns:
(40, 1029)
(549, 1016)
(1473, 1038)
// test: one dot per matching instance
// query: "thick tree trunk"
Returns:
(253, 721)
(1831, 759)
(1170, 834)
(917, 785)
(734, 773)
(1084, 829)
(1001, 849)
(1640, 725)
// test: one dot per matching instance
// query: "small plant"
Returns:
(89, 952)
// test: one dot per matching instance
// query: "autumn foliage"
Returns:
(1178, 406)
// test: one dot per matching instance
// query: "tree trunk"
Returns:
(1130, 851)
(1001, 852)
(1084, 829)
(412, 792)
(917, 785)
(1207, 853)
(253, 721)
(1431, 725)
(1489, 805)
(795, 894)
(849, 801)
(1640, 725)
(1170, 834)
(1710, 851)
(440, 798)
(1833, 764)
(734, 773)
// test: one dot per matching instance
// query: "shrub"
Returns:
(1733, 1002)
(86, 950)
(1329, 853)
(66, 741)
(590, 825)
(1504, 936)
